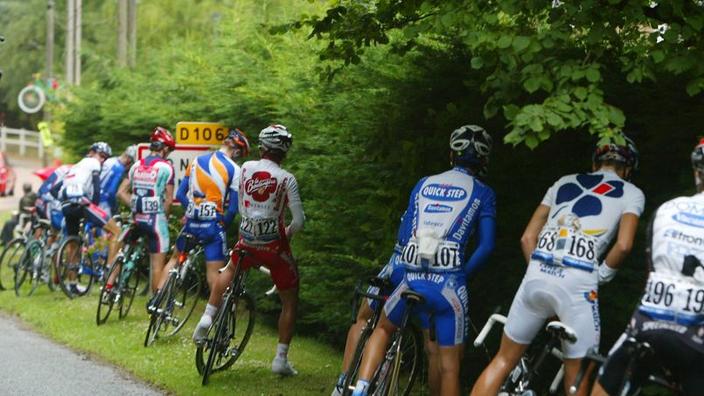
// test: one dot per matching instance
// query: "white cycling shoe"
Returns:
(282, 367)
(201, 331)
(336, 392)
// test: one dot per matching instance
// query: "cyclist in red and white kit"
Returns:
(264, 191)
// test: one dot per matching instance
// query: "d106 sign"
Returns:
(205, 133)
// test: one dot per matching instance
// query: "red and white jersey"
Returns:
(264, 191)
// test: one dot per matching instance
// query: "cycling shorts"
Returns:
(276, 257)
(210, 234)
(547, 291)
(155, 227)
(445, 307)
(106, 207)
(673, 351)
(394, 272)
(74, 212)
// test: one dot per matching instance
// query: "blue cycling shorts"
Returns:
(210, 234)
(445, 307)
(394, 272)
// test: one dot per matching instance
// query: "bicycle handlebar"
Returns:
(493, 319)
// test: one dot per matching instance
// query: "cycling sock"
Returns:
(108, 286)
(361, 388)
(282, 351)
(210, 310)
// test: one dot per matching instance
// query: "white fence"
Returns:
(22, 139)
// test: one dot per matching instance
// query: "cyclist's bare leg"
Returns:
(572, 367)
(72, 255)
(450, 370)
(433, 351)
(212, 270)
(376, 348)
(221, 283)
(169, 265)
(157, 260)
(495, 373)
(365, 312)
(287, 318)
(114, 245)
(598, 390)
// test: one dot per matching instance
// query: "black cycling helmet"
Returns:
(471, 146)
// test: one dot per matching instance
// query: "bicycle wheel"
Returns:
(129, 287)
(28, 275)
(227, 337)
(185, 296)
(106, 299)
(401, 365)
(74, 266)
(157, 318)
(353, 370)
(8, 262)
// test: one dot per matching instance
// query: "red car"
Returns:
(7, 176)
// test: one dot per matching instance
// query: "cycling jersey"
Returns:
(148, 180)
(48, 207)
(444, 211)
(562, 280)
(82, 181)
(110, 178)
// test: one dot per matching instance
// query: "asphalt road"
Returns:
(33, 365)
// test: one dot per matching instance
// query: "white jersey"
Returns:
(264, 191)
(585, 211)
(78, 182)
(675, 289)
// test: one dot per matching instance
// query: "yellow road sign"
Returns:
(205, 133)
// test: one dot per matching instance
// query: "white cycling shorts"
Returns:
(568, 293)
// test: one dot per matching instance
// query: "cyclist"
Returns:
(210, 184)
(264, 190)
(444, 210)
(670, 317)
(48, 207)
(563, 245)
(149, 190)
(79, 192)
(111, 177)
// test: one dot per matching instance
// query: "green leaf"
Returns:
(553, 119)
(536, 124)
(531, 84)
(531, 141)
(520, 43)
(592, 74)
(580, 93)
(504, 42)
(510, 111)
(477, 63)
(658, 56)
(616, 116)
(695, 86)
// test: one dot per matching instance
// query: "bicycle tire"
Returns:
(353, 370)
(128, 288)
(186, 294)
(222, 354)
(157, 317)
(405, 365)
(105, 300)
(83, 268)
(34, 253)
(9, 259)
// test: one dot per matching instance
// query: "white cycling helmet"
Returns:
(275, 137)
(101, 148)
(131, 151)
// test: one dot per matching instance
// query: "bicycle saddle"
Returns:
(381, 283)
(562, 331)
(410, 295)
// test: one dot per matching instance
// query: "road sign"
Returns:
(180, 159)
(206, 133)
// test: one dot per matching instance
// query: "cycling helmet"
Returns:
(239, 141)
(161, 137)
(275, 137)
(698, 156)
(101, 148)
(471, 145)
(131, 151)
(626, 153)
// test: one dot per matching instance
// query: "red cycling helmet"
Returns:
(162, 137)
(239, 141)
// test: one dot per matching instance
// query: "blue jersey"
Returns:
(110, 178)
(442, 214)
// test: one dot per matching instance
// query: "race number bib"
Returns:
(566, 246)
(260, 229)
(446, 258)
(74, 190)
(673, 298)
(202, 211)
(146, 205)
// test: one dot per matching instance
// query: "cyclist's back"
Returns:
(111, 176)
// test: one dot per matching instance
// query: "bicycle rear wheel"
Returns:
(9, 260)
(128, 286)
(28, 274)
(106, 299)
(185, 296)
(227, 337)
(401, 365)
(157, 319)
(74, 266)
(353, 370)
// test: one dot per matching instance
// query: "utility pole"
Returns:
(122, 32)
(77, 46)
(70, 36)
(132, 32)
(49, 62)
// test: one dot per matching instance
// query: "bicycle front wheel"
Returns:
(28, 274)
(74, 268)
(106, 299)
(9, 261)
(185, 296)
(129, 287)
(157, 320)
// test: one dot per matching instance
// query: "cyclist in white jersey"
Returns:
(265, 190)
(670, 317)
(564, 244)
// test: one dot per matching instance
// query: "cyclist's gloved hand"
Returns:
(606, 273)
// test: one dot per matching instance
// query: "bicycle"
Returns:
(175, 302)
(636, 351)
(126, 274)
(35, 265)
(412, 364)
(12, 253)
(519, 380)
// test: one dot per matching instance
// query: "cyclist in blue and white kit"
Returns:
(48, 207)
(670, 316)
(445, 210)
(566, 245)
(111, 176)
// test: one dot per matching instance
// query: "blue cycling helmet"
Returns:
(471, 146)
